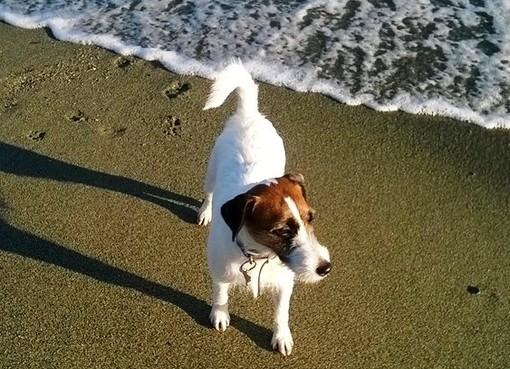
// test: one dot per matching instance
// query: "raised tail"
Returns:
(233, 77)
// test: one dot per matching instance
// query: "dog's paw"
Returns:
(282, 341)
(205, 214)
(220, 317)
(204, 218)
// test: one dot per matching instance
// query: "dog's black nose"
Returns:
(323, 269)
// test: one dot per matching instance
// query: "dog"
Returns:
(261, 234)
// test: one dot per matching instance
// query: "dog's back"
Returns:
(249, 149)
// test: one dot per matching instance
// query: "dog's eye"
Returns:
(283, 232)
(311, 216)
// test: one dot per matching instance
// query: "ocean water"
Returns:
(445, 57)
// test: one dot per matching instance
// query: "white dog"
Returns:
(260, 235)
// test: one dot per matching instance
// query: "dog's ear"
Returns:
(299, 179)
(235, 211)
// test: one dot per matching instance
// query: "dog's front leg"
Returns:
(282, 338)
(219, 316)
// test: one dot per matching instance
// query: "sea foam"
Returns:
(447, 58)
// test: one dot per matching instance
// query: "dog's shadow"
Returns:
(21, 162)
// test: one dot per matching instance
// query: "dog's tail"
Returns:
(233, 77)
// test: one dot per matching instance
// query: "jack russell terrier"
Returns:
(261, 234)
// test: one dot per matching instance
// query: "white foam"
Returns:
(315, 45)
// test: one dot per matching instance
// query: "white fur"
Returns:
(249, 151)
(308, 251)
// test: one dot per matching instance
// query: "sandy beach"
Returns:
(102, 159)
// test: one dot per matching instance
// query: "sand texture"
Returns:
(102, 159)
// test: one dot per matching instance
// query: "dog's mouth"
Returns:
(308, 276)
(306, 265)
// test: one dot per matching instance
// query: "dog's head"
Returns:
(275, 217)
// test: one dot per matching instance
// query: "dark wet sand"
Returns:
(102, 159)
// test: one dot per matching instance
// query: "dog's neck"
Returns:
(248, 268)
(250, 248)
(249, 253)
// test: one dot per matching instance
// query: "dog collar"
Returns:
(247, 267)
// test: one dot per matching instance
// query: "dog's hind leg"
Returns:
(219, 316)
(282, 338)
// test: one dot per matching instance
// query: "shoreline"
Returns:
(102, 159)
(437, 105)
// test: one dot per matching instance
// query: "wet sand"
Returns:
(102, 159)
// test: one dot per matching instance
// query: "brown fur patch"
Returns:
(271, 221)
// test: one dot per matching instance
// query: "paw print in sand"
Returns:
(172, 126)
(176, 89)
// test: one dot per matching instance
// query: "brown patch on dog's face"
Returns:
(271, 222)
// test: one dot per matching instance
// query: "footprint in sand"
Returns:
(171, 126)
(36, 135)
(76, 117)
(123, 62)
(112, 132)
(176, 89)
